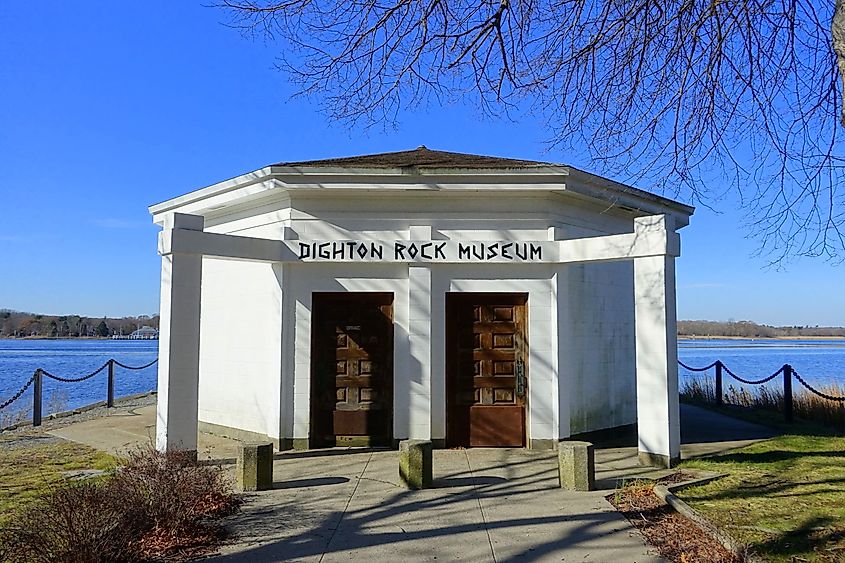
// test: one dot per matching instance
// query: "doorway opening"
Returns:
(486, 369)
(352, 369)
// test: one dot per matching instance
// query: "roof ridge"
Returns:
(421, 157)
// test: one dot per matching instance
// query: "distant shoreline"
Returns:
(59, 338)
(680, 337)
(688, 337)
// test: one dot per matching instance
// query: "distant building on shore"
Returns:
(143, 333)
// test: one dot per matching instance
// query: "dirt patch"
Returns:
(675, 538)
(677, 477)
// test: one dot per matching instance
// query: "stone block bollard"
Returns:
(255, 466)
(576, 466)
(415, 463)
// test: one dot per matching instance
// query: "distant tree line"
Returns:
(749, 329)
(17, 324)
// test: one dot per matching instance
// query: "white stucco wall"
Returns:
(240, 345)
(597, 314)
(256, 317)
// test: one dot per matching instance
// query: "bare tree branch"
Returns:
(744, 94)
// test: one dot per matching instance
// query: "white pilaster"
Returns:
(179, 343)
(562, 340)
(658, 416)
(419, 336)
(288, 344)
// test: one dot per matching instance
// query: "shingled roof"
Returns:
(421, 157)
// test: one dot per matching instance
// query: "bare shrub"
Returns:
(156, 506)
(13, 417)
(84, 521)
(57, 401)
(177, 495)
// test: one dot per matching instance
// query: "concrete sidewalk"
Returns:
(487, 504)
(123, 431)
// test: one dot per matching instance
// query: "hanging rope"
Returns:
(749, 381)
(816, 391)
(75, 379)
(134, 367)
(18, 395)
(683, 365)
(55, 377)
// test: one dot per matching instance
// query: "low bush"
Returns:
(177, 495)
(157, 505)
(84, 521)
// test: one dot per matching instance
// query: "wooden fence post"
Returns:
(110, 396)
(787, 392)
(36, 399)
(719, 382)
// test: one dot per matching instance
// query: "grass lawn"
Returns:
(784, 497)
(28, 470)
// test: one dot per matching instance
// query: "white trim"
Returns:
(640, 244)
(324, 180)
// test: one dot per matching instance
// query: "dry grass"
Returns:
(805, 405)
(31, 466)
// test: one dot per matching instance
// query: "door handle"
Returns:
(520, 378)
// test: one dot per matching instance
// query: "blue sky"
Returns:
(108, 107)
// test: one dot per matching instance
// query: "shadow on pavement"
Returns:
(314, 482)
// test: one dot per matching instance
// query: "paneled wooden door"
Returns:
(352, 369)
(486, 369)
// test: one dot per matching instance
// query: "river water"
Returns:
(818, 361)
(75, 358)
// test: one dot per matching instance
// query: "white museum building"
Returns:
(469, 300)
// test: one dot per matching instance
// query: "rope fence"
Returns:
(816, 391)
(37, 380)
(683, 365)
(786, 370)
(750, 381)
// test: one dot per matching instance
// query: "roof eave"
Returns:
(602, 188)
(232, 184)
(275, 177)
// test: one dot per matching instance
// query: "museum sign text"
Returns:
(445, 251)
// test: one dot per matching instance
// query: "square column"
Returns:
(658, 415)
(419, 335)
(179, 344)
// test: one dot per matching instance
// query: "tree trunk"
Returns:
(837, 29)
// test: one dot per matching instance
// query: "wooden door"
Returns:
(352, 369)
(486, 374)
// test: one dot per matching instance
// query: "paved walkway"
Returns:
(121, 430)
(487, 504)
